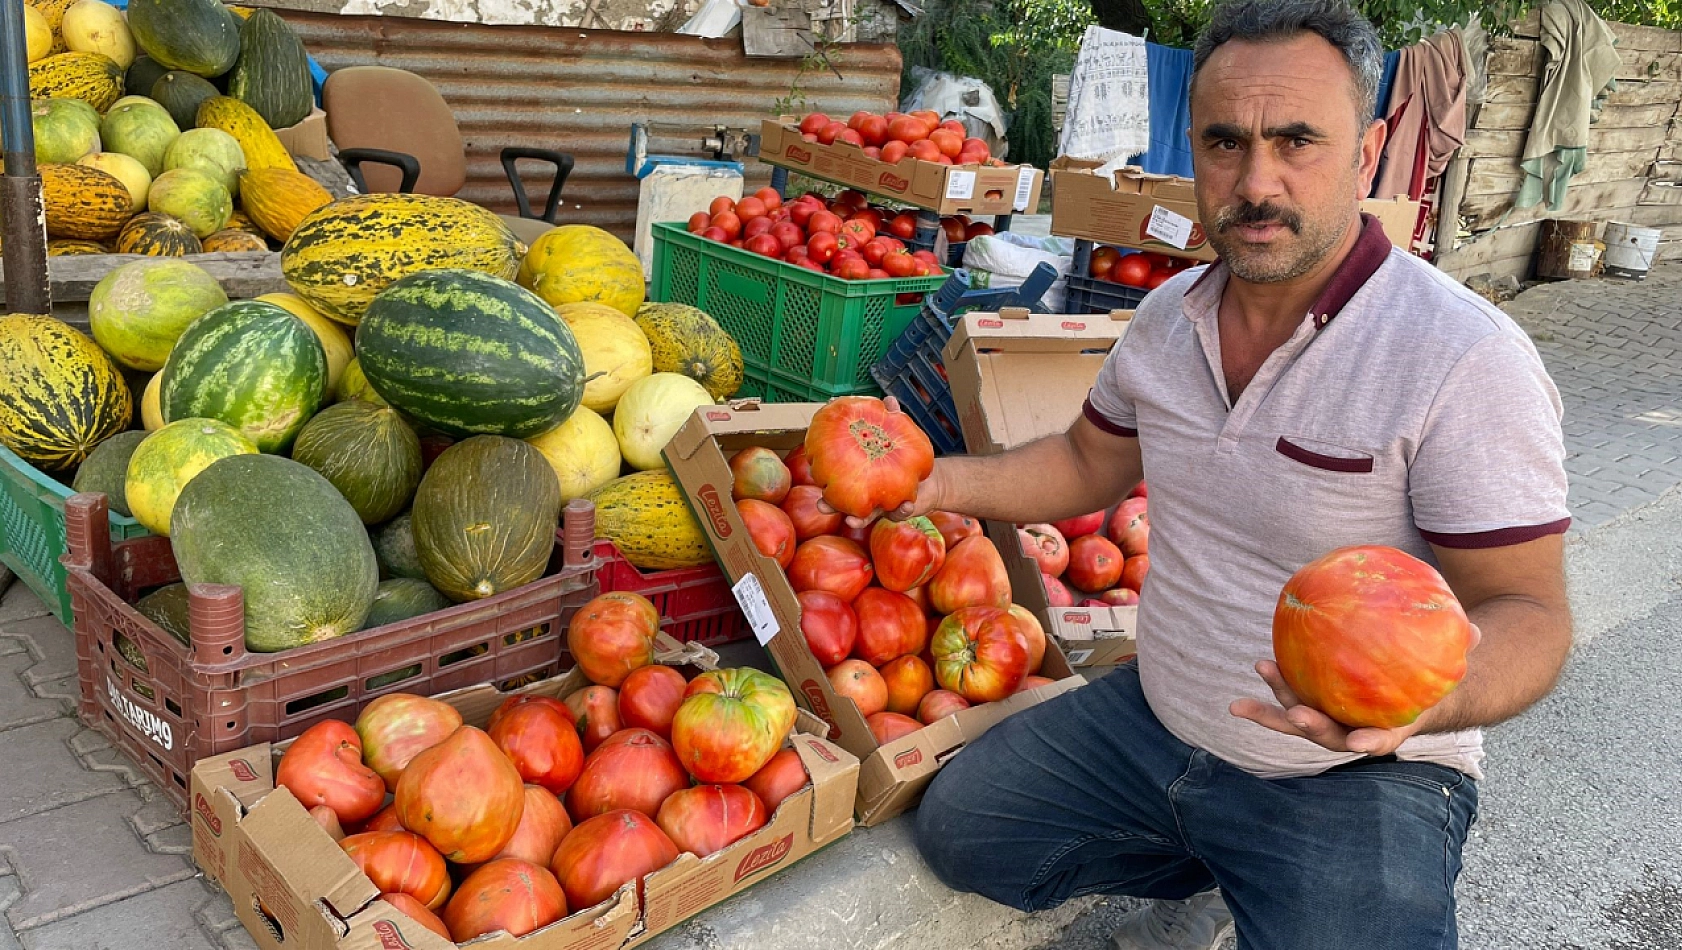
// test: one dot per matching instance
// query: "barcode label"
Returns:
(1169, 227)
(751, 597)
(960, 185)
(1024, 188)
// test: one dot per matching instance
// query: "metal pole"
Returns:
(25, 233)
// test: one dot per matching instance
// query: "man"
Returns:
(1313, 389)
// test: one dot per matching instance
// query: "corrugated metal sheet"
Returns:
(580, 91)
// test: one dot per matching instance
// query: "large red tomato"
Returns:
(1094, 564)
(607, 852)
(1134, 270)
(939, 704)
(417, 912)
(829, 563)
(909, 679)
(891, 625)
(1045, 544)
(1056, 592)
(781, 777)
(1130, 527)
(649, 699)
(809, 521)
(1033, 636)
(759, 473)
(324, 767)
(954, 527)
(403, 862)
(866, 458)
(463, 796)
(906, 553)
(1370, 636)
(384, 820)
(979, 654)
(860, 682)
(597, 712)
(799, 466)
(889, 726)
(973, 576)
(829, 625)
(634, 769)
(770, 528)
(1080, 526)
(543, 824)
(505, 895)
(613, 635)
(1134, 571)
(395, 728)
(522, 699)
(731, 723)
(707, 819)
(542, 743)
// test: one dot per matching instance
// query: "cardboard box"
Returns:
(307, 139)
(1134, 208)
(945, 189)
(1017, 377)
(294, 889)
(893, 776)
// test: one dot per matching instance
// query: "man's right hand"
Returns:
(929, 495)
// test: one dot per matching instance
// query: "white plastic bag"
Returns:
(1002, 261)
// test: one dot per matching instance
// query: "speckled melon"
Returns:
(166, 460)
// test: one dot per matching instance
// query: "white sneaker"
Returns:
(1200, 923)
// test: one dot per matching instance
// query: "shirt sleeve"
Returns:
(1490, 467)
(1109, 406)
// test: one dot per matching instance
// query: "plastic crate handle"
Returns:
(87, 534)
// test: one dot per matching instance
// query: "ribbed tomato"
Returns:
(324, 766)
(596, 709)
(505, 895)
(973, 576)
(891, 625)
(543, 744)
(634, 769)
(906, 554)
(731, 723)
(979, 653)
(829, 625)
(781, 777)
(830, 563)
(607, 852)
(707, 819)
(403, 862)
(650, 698)
(866, 458)
(612, 635)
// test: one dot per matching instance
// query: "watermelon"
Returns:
(404, 598)
(169, 608)
(166, 460)
(394, 547)
(251, 365)
(485, 517)
(466, 353)
(60, 395)
(212, 151)
(369, 454)
(65, 130)
(193, 197)
(106, 468)
(287, 537)
(139, 310)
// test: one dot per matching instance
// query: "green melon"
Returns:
(171, 457)
(485, 517)
(182, 93)
(193, 197)
(394, 547)
(286, 536)
(142, 74)
(139, 310)
(369, 454)
(404, 598)
(106, 468)
(169, 608)
(65, 130)
(273, 72)
(468, 353)
(212, 151)
(250, 364)
(199, 36)
(140, 129)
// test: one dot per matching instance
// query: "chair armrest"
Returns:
(408, 164)
(563, 167)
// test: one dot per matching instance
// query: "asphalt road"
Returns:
(1578, 845)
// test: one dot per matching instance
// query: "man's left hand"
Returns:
(1293, 718)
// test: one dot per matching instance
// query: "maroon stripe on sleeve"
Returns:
(1105, 425)
(1498, 538)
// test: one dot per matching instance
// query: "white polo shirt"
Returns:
(1404, 410)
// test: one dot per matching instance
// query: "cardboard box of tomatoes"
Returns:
(900, 756)
(948, 189)
(295, 888)
(1016, 377)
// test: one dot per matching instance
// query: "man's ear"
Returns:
(1372, 149)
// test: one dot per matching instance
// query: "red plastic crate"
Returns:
(167, 705)
(695, 603)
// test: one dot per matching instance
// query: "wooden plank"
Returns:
(1492, 143)
(1634, 36)
(1502, 176)
(1671, 152)
(242, 275)
(1601, 201)
(1647, 65)
(1517, 115)
(1636, 93)
(1660, 193)
(1506, 90)
(1475, 256)
(1511, 56)
(1509, 143)
(1653, 216)
(1665, 171)
(1530, 26)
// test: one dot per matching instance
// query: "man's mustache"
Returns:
(1264, 213)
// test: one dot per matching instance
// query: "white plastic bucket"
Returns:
(1630, 249)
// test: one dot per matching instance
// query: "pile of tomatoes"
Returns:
(844, 237)
(1094, 560)
(1146, 270)
(557, 802)
(896, 136)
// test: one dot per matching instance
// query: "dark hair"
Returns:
(1334, 21)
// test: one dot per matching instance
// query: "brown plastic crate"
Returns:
(167, 705)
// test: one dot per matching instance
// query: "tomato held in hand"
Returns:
(866, 458)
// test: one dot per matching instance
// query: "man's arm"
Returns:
(1515, 595)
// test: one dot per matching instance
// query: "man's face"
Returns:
(1281, 158)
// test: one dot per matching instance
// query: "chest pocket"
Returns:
(1324, 456)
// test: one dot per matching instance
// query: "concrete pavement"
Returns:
(1574, 850)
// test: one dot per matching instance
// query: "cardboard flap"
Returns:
(382, 927)
(311, 864)
(1005, 332)
(834, 775)
(246, 774)
(735, 418)
(670, 652)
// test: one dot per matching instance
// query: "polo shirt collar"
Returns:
(1371, 249)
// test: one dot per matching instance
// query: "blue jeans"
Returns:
(1089, 794)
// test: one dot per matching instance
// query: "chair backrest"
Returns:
(382, 107)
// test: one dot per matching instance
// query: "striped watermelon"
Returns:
(467, 353)
(249, 364)
(60, 395)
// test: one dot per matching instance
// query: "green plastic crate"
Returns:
(805, 336)
(32, 530)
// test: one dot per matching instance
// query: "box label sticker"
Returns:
(1080, 657)
(751, 596)
(1169, 227)
(1024, 188)
(1582, 257)
(960, 185)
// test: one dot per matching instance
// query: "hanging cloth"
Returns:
(1581, 61)
(1109, 100)
(1427, 118)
